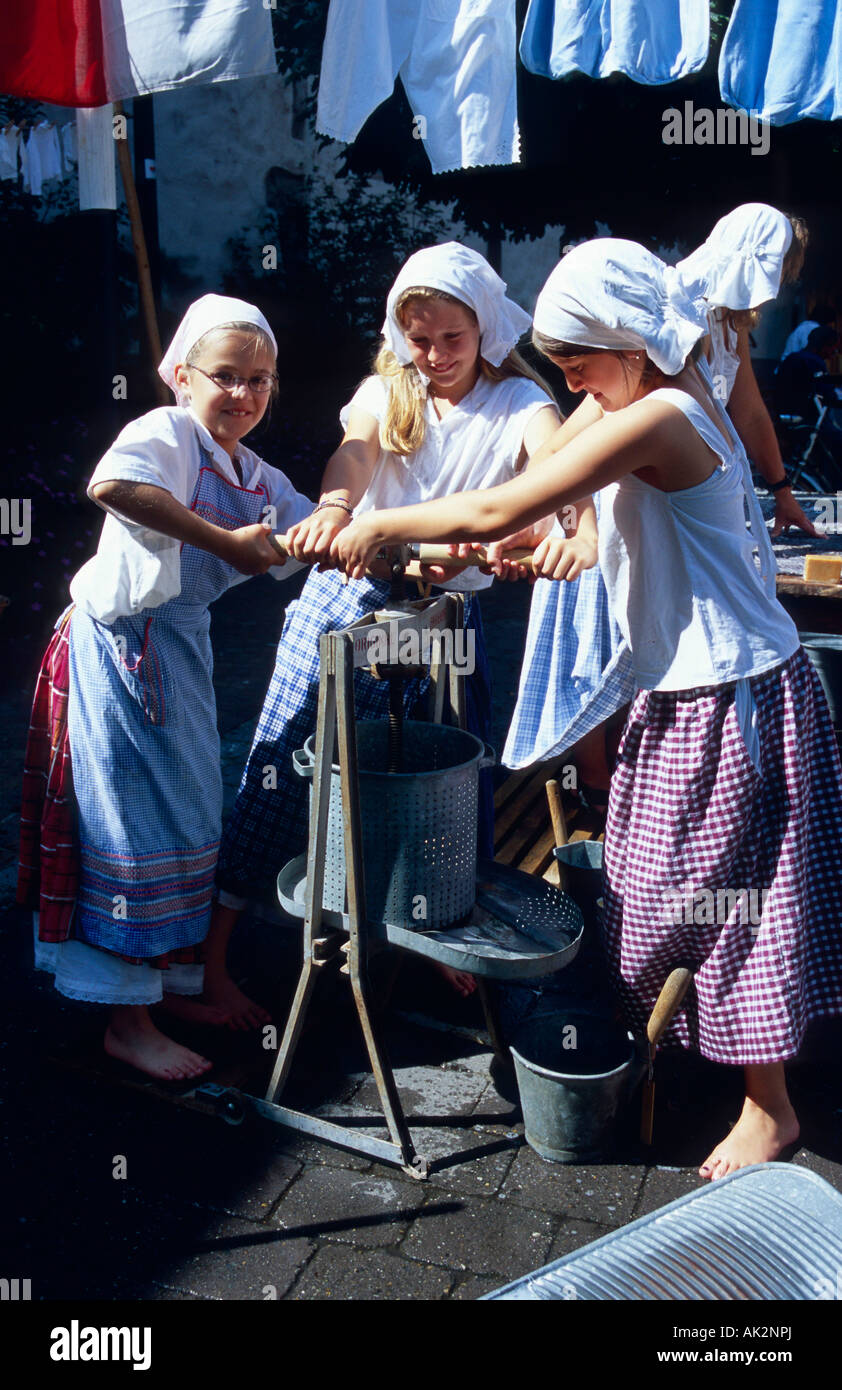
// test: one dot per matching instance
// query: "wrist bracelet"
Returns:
(338, 503)
(776, 487)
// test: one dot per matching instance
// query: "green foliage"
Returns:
(359, 236)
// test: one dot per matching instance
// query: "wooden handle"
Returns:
(668, 1003)
(430, 554)
(557, 812)
(436, 555)
(559, 826)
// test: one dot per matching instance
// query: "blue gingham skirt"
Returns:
(269, 820)
(576, 671)
(147, 779)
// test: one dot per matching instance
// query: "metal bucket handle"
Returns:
(304, 762)
(489, 757)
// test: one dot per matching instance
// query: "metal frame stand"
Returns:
(342, 653)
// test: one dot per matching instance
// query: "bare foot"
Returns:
(463, 982)
(242, 1013)
(757, 1137)
(193, 1010)
(132, 1037)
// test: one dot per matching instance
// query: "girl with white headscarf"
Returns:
(122, 917)
(450, 406)
(748, 256)
(576, 674)
(723, 846)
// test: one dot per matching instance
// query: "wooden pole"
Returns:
(144, 275)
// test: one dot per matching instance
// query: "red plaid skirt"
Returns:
(729, 868)
(48, 868)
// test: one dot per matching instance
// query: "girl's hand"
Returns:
(788, 513)
(310, 540)
(527, 538)
(564, 557)
(249, 549)
(355, 546)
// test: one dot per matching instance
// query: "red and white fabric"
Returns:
(91, 52)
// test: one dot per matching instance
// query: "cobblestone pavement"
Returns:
(210, 1211)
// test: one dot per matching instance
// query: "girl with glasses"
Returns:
(125, 698)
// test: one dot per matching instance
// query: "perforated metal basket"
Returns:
(419, 826)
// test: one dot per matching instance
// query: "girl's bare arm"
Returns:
(346, 477)
(248, 548)
(616, 445)
(754, 426)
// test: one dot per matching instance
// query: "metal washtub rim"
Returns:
(310, 743)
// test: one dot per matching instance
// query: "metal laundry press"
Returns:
(518, 927)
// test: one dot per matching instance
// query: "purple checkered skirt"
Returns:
(732, 868)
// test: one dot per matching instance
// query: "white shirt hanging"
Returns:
(456, 59)
(69, 147)
(9, 142)
(136, 567)
(49, 150)
(30, 165)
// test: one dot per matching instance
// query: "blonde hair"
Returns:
(405, 423)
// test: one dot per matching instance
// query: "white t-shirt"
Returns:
(476, 445)
(797, 339)
(135, 567)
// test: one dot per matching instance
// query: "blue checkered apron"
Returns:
(576, 671)
(145, 752)
(269, 820)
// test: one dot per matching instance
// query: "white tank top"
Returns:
(692, 589)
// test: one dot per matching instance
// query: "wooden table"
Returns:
(812, 607)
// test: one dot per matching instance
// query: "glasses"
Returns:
(260, 383)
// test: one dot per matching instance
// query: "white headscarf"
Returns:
(740, 264)
(615, 294)
(469, 278)
(209, 312)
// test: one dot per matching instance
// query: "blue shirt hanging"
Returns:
(782, 59)
(653, 42)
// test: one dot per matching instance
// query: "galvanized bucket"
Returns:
(575, 1069)
(581, 865)
(419, 826)
(825, 651)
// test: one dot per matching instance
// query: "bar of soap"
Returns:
(823, 569)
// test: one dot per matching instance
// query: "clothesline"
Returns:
(47, 152)
(781, 61)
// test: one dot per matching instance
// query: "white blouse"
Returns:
(135, 567)
(691, 600)
(724, 360)
(476, 445)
